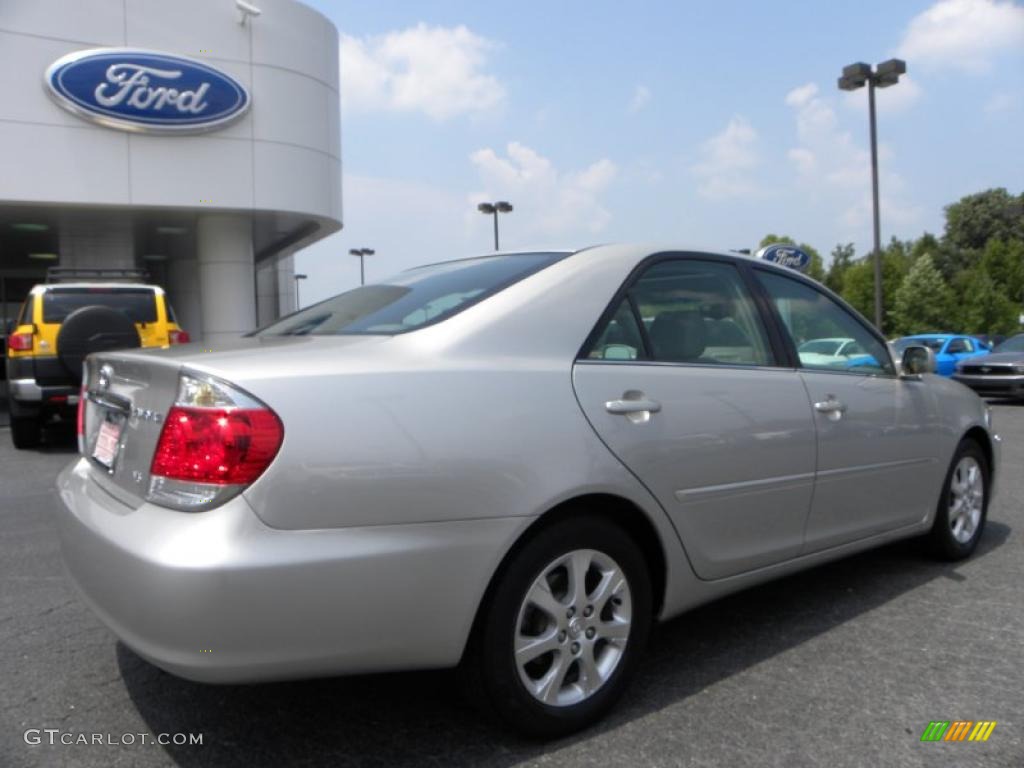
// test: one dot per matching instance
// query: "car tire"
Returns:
(963, 504)
(579, 651)
(26, 432)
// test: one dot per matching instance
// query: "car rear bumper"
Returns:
(29, 391)
(1008, 386)
(217, 596)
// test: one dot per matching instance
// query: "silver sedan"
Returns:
(512, 464)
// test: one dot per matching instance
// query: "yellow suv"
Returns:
(62, 322)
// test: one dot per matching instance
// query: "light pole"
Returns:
(857, 76)
(361, 253)
(494, 209)
(297, 278)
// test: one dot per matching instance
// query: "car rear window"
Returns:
(138, 303)
(412, 299)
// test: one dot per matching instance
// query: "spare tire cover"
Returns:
(93, 329)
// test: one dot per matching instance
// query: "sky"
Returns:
(703, 124)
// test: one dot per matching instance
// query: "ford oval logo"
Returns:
(145, 91)
(786, 256)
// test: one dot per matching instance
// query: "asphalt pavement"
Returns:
(843, 665)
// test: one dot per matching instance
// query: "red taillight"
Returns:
(222, 446)
(179, 337)
(80, 416)
(19, 342)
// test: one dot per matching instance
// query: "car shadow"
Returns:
(418, 718)
(59, 437)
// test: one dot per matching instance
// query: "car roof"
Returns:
(50, 286)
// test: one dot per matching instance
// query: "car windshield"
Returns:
(1013, 344)
(933, 344)
(138, 303)
(821, 346)
(412, 299)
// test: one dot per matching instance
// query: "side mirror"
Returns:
(917, 360)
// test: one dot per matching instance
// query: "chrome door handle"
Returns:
(632, 406)
(831, 408)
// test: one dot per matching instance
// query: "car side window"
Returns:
(809, 314)
(686, 311)
(957, 346)
(621, 338)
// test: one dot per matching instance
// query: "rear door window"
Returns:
(138, 303)
(685, 311)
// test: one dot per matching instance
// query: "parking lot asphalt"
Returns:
(843, 665)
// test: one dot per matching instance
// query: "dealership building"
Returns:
(198, 140)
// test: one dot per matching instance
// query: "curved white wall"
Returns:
(282, 156)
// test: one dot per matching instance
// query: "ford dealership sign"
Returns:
(145, 91)
(785, 255)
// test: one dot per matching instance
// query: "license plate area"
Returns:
(105, 430)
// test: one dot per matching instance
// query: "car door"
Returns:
(877, 466)
(708, 420)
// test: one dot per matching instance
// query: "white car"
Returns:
(829, 352)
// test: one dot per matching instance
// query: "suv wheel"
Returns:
(25, 431)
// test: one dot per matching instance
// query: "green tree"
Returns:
(859, 283)
(842, 260)
(981, 305)
(816, 269)
(948, 259)
(924, 301)
(1004, 262)
(975, 219)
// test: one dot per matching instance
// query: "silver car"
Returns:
(1000, 374)
(513, 464)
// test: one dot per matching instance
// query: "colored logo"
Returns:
(145, 91)
(786, 256)
(958, 730)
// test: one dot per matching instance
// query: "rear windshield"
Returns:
(138, 303)
(413, 299)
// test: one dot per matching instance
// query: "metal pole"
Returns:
(362, 274)
(874, 196)
(496, 229)
(296, 295)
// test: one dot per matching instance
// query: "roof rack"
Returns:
(59, 274)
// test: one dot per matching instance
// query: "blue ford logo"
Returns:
(145, 91)
(786, 256)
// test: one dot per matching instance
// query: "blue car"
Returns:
(949, 348)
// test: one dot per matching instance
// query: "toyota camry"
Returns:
(514, 465)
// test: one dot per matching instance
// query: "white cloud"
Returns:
(802, 95)
(836, 170)
(963, 34)
(641, 98)
(903, 95)
(439, 71)
(547, 201)
(726, 161)
(1002, 101)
